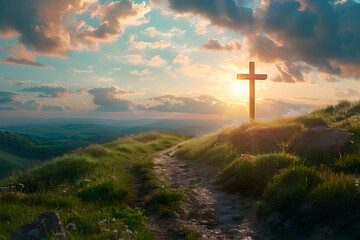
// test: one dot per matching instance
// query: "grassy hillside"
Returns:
(310, 190)
(89, 187)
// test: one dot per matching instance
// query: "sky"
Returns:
(134, 59)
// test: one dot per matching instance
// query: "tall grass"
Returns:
(249, 174)
(84, 187)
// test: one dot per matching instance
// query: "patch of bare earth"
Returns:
(210, 212)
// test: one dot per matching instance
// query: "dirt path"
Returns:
(209, 211)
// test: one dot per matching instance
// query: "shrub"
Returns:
(53, 173)
(107, 191)
(96, 151)
(167, 200)
(249, 174)
(348, 163)
(263, 138)
(336, 196)
(290, 188)
(310, 121)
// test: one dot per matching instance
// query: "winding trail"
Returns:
(212, 213)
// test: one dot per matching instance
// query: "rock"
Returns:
(212, 222)
(174, 215)
(257, 139)
(203, 222)
(274, 218)
(323, 138)
(194, 214)
(45, 225)
(209, 215)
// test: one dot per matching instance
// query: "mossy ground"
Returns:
(84, 187)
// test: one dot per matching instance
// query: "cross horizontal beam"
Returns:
(252, 76)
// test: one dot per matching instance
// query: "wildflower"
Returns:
(356, 185)
(102, 222)
(64, 191)
(113, 220)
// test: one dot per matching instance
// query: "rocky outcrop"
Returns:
(323, 138)
(44, 226)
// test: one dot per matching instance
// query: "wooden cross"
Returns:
(252, 77)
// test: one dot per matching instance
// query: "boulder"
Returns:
(44, 226)
(323, 138)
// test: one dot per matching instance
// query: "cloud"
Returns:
(203, 104)
(346, 93)
(18, 82)
(143, 45)
(153, 32)
(138, 59)
(156, 61)
(21, 57)
(55, 27)
(321, 34)
(270, 108)
(111, 99)
(226, 13)
(215, 45)
(182, 59)
(291, 72)
(54, 108)
(49, 91)
(142, 73)
(7, 97)
(83, 71)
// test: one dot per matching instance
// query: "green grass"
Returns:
(249, 174)
(309, 188)
(84, 187)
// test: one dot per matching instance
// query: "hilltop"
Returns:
(275, 192)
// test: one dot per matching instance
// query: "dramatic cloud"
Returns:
(203, 104)
(54, 27)
(110, 99)
(21, 57)
(322, 34)
(226, 13)
(291, 72)
(49, 91)
(215, 45)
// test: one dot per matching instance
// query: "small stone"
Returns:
(208, 215)
(193, 220)
(194, 214)
(212, 222)
(203, 222)
(174, 215)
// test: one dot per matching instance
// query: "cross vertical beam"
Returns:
(252, 77)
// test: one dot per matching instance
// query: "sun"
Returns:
(239, 89)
